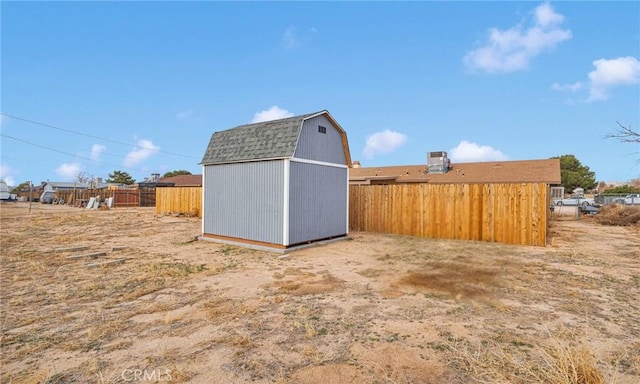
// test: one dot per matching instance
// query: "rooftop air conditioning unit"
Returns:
(437, 162)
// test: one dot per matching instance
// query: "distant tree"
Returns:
(575, 175)
(622, 189)
(176, 173)
(120, 177)
(23, 186)
(83, 177)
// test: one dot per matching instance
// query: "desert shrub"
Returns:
(618, 214)
(622, 189)
(570, 365)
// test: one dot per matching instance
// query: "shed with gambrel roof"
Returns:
(278, 183)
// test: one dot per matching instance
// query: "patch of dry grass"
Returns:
(305, 283)
(560, 361)
(618, 214)
(223, 310)
(570, 364)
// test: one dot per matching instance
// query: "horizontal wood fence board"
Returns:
(121, 197)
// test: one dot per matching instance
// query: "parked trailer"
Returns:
(47, 197)
(632, 199)
(5, 194)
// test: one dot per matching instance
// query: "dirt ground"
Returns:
(125, 295)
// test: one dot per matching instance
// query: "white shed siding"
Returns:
(313, 145)
(317, 202)
(245, 200)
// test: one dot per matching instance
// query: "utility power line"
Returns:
(67, 153)
(93, 136)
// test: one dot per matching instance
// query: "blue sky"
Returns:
(93, 87)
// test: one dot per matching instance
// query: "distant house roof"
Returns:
(183, 180)
(66, 185)
(275, 139)
(521, 171)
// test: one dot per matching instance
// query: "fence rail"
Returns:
(138, 197)
(504, 213)
(186, 200)
(79, 196)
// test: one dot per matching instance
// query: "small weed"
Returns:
(176, 269)
(57, 378)
(518, 343)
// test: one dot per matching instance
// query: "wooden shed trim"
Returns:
(241, 240)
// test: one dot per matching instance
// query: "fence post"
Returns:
(30, 195)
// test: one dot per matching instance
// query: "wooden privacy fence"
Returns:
(79, 196)
(503, 213)
(138, 197)
(186, 200)
(126, 198)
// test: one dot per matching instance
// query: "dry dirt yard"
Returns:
(374, 309)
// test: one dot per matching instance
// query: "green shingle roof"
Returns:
(267, 140)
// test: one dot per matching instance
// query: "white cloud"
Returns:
(68, 171)
(611, 73)
(291, 39)
(546, 16)
(575, 87)
(512, 49)
(383, 142)
(143, 150)
(468, 152)
(273, 113)
(182, 115)
(96, 151)
(5, 174)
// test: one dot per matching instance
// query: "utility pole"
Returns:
(30, 195)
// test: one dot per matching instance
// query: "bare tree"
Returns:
(624, 134)
(83, 177)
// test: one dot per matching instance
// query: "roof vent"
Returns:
(437, 162)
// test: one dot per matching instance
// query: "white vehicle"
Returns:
(576, 200)
(5, 194)
(633, 198)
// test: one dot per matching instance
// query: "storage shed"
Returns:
(278, 183)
